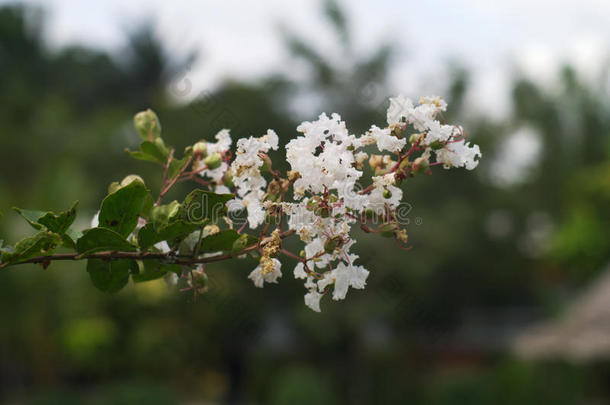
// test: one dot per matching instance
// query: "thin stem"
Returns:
(118, 255)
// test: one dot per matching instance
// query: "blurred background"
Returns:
(503, 298)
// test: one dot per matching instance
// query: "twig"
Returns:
(119, 255)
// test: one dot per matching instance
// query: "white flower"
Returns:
(438, 132)
(459, 154)
(259, 277)
(247, 177)
(323, 155)
(400, 108)
(378, 197)
(328, 198)
(438, 102)
(385, 140)
(422, 116)
(299, 271)
(348, 276)
(328, 279)
(222, 145)
(312, 300)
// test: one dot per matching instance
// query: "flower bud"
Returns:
(147, 124)
(413, 139)
(274, 187)
(323, 212)
(376, 161)
(267, 164)
(387, 193)
(201, 148)
(332, 244)
(199, 281)
(213, 161)
(387, 230)
(436, 145)
(293, 175)
(227, 179)
(420, 164)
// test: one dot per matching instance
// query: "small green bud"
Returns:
(414, 138)
(199, 281)
(302, 253)
(267, 164)
(421, 165)
(240, 243)
(323, 212)
(213, 161)
(227, 179)
(436, 145)
(147, 124)
(313, 203)
(332, 244)
(387, 193)
(201, 148)
(387, 230)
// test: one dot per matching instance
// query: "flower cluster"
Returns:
(337, 182)
(330, 194)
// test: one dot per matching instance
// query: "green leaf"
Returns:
(174, 232)
(176, 166)
(102, 240)
(161, 215)
(152, 269)
(155, 152)
(221, 241)
(31, 216)
(70, 237)
(58, 223)
(110, 276)
(200, 206)
(120, 209)
(228, 241)
(40, 244)
(243, 241)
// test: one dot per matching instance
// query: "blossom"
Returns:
(221, 147)
(266, 274)
(400, 109)
(459, 154)
(327, 164)
(385, 140)
(312, 300)
(438, 132)
(247, 177)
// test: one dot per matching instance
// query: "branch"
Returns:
(170, 257)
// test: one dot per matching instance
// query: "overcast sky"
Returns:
(239, 38)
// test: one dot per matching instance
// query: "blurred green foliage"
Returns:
(64, 123)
